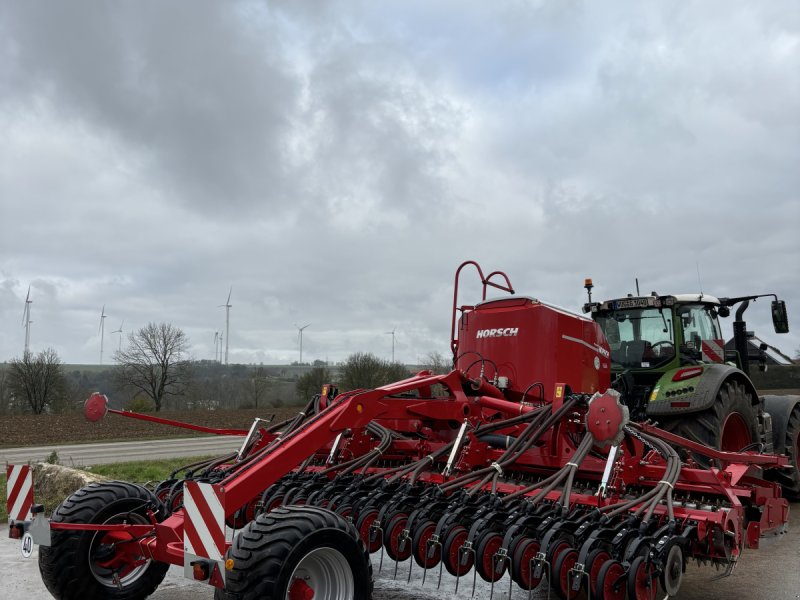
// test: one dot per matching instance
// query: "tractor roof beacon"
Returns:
(668, 360)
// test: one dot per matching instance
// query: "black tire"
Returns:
(560, 577)
(642, 583)
(393, 539)
(733, 409)
(790, 479)
(420, 546)
(452, 554)
(486, 562)
(267, 552)
(67, 566)
(522, 569)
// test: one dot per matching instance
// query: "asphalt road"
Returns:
(770, 573)
(84, 455)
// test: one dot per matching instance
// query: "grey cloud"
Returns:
(335, 162)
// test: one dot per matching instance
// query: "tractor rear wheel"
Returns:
(298, 552)
(729, 424)
(790, 478)
(88, 565)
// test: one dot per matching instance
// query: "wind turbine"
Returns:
(227, 306)
(102, 330)
(26, 320)
(119, 331)
(300, 331)
(216, 346)
(391, 333)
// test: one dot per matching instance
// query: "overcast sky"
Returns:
(335, 162)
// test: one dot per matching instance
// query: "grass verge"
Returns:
(140, 471)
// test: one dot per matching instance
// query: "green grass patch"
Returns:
(142, 471)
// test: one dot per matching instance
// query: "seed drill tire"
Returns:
(64, 564)
(266, 552)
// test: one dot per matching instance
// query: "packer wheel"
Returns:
(372, 539)
(489, 567)
(456, 562)
(344, 510)
(561, 580)
(89, 565)
(398, 548)
(298, 553)
(594, 562)
(642, 580)
(420, 546)
(611, 581)
(522, 564)
(554, 551)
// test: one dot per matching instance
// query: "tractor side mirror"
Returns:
(779, 318)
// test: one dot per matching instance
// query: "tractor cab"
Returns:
(658, 333)
(668, 353)
(654, 336)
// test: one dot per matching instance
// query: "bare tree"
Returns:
(257, 387)
(311, 383)
(38, 379)
(153, 362)
(5, 392)
(364, 370)
(436, 363)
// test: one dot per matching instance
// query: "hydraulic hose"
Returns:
(541, 423)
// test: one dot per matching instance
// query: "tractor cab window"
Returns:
(638, 337)
(699, 325)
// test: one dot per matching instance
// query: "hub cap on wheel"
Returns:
(110, 566)
(735, 433)
(322, 574)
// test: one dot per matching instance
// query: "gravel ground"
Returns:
(770, 573)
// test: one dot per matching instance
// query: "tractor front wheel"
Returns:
(729, 424)
(298, 552)
(89, 565)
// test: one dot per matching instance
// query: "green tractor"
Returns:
(668, 360)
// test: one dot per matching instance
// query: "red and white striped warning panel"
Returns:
(714, 350)
(203, 527)
(19, 492)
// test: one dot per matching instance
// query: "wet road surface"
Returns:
(770, 573)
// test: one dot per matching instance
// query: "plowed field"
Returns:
(42, 430)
